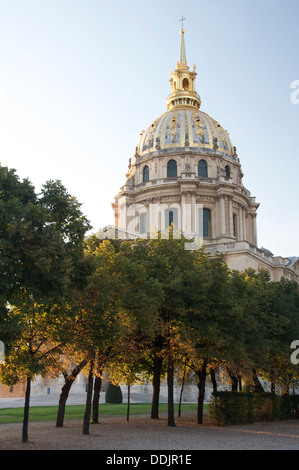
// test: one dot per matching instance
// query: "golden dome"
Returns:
(184, 127)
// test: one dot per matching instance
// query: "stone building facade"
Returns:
(186, 171)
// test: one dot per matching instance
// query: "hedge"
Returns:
(228, 408)
(113, 394)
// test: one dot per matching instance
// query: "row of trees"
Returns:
(146, 308)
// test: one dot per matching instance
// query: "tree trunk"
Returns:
(202, 374)
(182, 389)
(156, 387)
(240, 383)
(96, 398)
(171, 421)
(234, 380)
(128, 404)
(86, 421)
(26, 410)
(62, 402)
(69, 380)
(213, 380)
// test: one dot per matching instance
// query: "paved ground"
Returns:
(142, 433)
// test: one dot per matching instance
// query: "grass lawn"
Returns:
(39, 413)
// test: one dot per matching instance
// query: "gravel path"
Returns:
(142, 433)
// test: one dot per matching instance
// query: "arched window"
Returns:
(206, 223)
(202, 169)
(171, 217)
(186, 84)
(145, 174)
(227, 171)
(171, 169)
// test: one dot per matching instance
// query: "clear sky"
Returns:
(80, 79)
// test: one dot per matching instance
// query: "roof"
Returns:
(185, 127)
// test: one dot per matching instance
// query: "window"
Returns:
(235, 225)
(171, 217)
(171, 169)
(145, 174)
(186, 84)
(206, 223)
(143, 223)
(202, 169)
(227, 171)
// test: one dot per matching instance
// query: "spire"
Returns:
(183, 92)
(183, 58)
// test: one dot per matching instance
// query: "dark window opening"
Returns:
(145, 174)
(235, 225)
(172, 169)
(171, 217)
(186, 84)
(206, 223)
(202, 169)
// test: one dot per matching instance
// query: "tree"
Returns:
(252, 292)
(32, 351)
(70, 371)
(41, 238)
(140, 294)
(169, 264)
(282, 327)
(41, 247)
(207, 325)
(96, 325)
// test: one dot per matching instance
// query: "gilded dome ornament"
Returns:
(184, 125)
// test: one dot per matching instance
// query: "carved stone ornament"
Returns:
(173, 125)
(198, 124)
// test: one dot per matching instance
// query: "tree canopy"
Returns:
(131, 309)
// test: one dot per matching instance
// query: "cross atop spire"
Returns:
(183, 58)
(182, 20)
(183, 91)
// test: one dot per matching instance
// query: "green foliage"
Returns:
(41, 247)
(41, 238)
(135, 306)
(289, 406)
(113, 394)
(230, 408)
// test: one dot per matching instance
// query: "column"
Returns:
(222, 214)
(183, 212)
(244, 224)
(241, 223)
(254, 231)
(194, 228)
(230, 216)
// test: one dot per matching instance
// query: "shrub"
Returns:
(290, 406)
(113, 394)
(227, 408)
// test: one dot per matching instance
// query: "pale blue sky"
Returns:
(80, 79)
